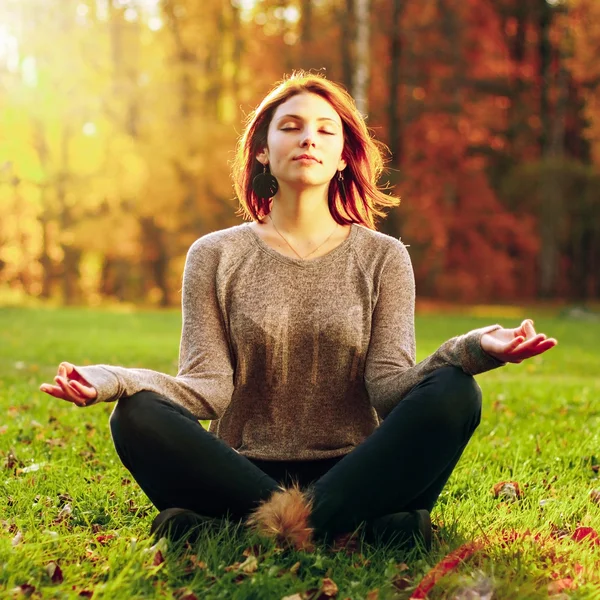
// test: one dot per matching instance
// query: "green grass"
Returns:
(539, 428)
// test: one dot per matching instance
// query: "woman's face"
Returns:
(305, 141)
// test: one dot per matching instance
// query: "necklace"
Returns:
(302, 257)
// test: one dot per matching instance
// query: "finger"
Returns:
(54, 390)
(532, 342)
(519, 339)
(65, 369)
(87, 392)
(70, 394)
(535, 350)
(529, 329)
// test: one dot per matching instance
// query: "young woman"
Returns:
(298, 344)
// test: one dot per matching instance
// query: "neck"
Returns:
(302, 214)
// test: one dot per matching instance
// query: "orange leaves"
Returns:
(507, 490)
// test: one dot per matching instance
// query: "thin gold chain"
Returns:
(303, 257)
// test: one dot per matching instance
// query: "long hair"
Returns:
(361, 198)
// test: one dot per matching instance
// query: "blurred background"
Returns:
(119, 119)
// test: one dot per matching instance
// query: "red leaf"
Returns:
(560, 585)
(158, 559)
(447, 564)
(582, 533)
(102, 539)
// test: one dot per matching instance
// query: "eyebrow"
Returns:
(299, 118)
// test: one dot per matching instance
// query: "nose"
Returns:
(308, 139)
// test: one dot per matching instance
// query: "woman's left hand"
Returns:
(515, 345)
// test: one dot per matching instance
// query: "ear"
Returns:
(263, 156)
(342, 165)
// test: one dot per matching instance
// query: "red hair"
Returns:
(363, 155)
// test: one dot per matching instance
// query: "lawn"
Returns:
(74, 525)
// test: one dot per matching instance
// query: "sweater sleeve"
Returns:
(390, 369)
(204, 382)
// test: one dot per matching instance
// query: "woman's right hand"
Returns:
(70, 386)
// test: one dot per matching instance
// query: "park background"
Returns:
(119, 119)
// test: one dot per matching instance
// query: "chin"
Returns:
(306, 181)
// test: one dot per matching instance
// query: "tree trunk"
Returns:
(391, 224)
(362, 72)
(347, 36)
(552, 151)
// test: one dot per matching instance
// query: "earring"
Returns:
(341, 186)
(265, 186)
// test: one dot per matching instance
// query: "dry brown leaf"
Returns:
(17, 539)
(54, 572)
(401, 583)
(24, 589)
(507, 490)
(373, 595)
(253, 550)
(595, 496)
(185, 594)
(158, 559)
(86, 593)
(293, 597)
(250, 565)
(329, 587)
(103, 539)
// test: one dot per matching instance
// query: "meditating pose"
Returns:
(298, 346)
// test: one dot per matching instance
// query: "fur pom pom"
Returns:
(284, 517)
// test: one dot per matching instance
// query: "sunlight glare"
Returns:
(89, 129)
(29, 71)
(155, 23)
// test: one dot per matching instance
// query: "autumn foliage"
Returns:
(118, 122)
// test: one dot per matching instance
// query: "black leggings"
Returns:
(403, 465)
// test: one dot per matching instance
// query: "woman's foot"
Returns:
(179, 523)
(406, 529)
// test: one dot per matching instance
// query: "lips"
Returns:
(307, 156)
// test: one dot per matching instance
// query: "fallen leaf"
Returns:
(255, 550)
(64, 512)
(12, 461)
(507, 490)
(372, 595)
(329, 587)
(555, 587)
(250, 565)
(582, 533)
(24, 590)
(17, 539)
(185, 594)
(54, 572)
(443, 567)
(595, 496)
(401, 583)
(158, 559)
(293, 597)
(103, 539)
(85, 594)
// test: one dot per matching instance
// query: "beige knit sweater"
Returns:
(294, 359)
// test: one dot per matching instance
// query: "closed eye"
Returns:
(298, 128)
